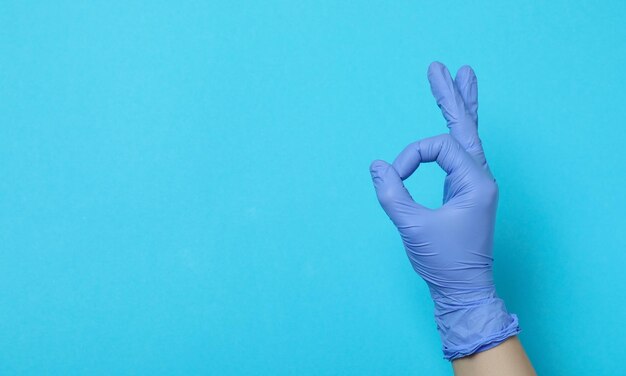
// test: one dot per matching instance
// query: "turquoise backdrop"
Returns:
(184, 186)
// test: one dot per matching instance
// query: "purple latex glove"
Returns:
(451, 247)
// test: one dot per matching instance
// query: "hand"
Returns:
(451, 247)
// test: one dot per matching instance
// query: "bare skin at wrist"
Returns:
(508, 358)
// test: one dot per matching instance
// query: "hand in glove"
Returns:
(451, 247)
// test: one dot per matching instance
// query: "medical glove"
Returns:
(451, 247)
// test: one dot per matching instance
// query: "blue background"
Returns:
(184, 185)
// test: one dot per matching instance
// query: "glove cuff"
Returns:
(471, 322)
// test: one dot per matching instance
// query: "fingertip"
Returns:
(377, 168)
(377, 164)
(442, 88)
(465, 75)
(407, 161)
(467, 85)
(466, 69)
(438, 76)
(434, 67)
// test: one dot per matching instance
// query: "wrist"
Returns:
(472, 321)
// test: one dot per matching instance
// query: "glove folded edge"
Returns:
(452, 353)
(470, 326)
